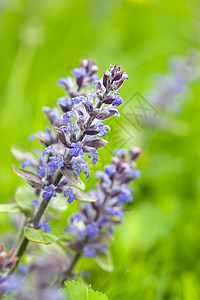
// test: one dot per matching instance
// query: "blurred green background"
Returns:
(157, 249)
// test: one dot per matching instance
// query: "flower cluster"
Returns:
(171, 88)
(7, 262)
(75, 135)
(93, 226)
(41, 283)
(76, 131)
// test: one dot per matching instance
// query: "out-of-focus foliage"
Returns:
(156, 251)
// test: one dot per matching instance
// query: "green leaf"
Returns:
(76, 290)
(39, 236)
(58, 204)
(95, 295)
(33, 179)
(80, 185)
(105, 261)
(23, 196)
(81, 196)
(10, 208)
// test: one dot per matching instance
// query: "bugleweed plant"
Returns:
(53, 174)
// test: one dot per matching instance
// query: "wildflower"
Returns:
(69, 193)
(41, 171)
(77, 148)
(78, 73)
(117, 100)
(54, 163)
(79, 99)
(110, 170)
(26, 163)
(88, 251)
(34, 202)
(92, 229)
(45, 225)
(49, 192)
(93, 154)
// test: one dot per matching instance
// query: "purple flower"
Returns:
(79, 99)
(41, 172)
(80, 165)
(64, 101)
(136, 173)
(26, 163)
(54, 163)
(76, 217)
(93, 154)
(119, 152)
(92, 229)
(49, 192)
(24, 269)
(115, 211)
(117, 99)
(125, 195)
(125, 76)
(67, 82)
(89, 251)
(34, 202)
(48, 150)
(78, 73)
(110, 170)
(69, 193)
(45, 225)
(103, 129)
(87, 171)
(76, 149)
(67, 116)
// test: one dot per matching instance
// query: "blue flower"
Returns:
(45, 225)
(23, 269)
(115, 211)
(67, 82)
(119, 152)
(79, 99)
(49, 192)
(93, 154)
(76, 149)
(26, 163)
(48, 150)
(80, 165)
(136, 173)
(34, 202)
(54, 163)
(76, 217)
(125, 76)
(78, 73)
(110, 170)
(125, 195)
(64, 101)
(92, 229)
(70, 194)
(67, 116)
(41, 171)
(117, 99)
(87, 171)
(103, 129)
(89, 251)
